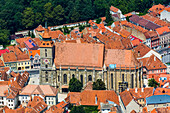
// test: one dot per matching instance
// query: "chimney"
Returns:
(142, 89)
(136, 90)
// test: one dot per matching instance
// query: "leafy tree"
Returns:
(66, 30)
(28, 18)
(4, 37)
(77, 109)
(98, 20)
(153, 83)
(58, 14)
(127, 18)
(81, 27)
(48, 14)
(99, 85)
(75, 16)
(108, 17)
(75, 85)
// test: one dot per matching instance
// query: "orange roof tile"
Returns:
(114, 9)
(79, 54)
(44, 90)
(1, 63)
(9, 57)
(40, 28)
(47, 44)
(111, 57)
(153, 63)
(141, 50)
(128, 15)
(163, 30)
(34, 52)
(135, 42)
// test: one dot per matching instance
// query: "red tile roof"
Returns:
(36, 105)
(20, 41)
(126, 58)
(40, 28)
(141, 50)
(1, 63)
(163, 30)
(79, 54)
(114, 9)
(18, 110)
(153, 63)
(44, 90)
(4, 51)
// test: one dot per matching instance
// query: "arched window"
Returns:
(58, 78)
(81, 78)
(45, 52)
(89, 78)
(73, 76)
(46, 76)
(122, 77)
(132, 85)
(65, 79)
(112, 80)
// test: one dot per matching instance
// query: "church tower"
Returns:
(47, 53)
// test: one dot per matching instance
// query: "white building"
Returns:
(8, 97)
(118, 12)
(165, 14)
(47, 92)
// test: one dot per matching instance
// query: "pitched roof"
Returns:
(40, 28)
(47, 44)
(9, 57)
(36, 105)
(34, 52)
(79, 54)
(18, 110)
(152, 63)
(74, 97)
(126, 97)
(4, 51)
(21, 41)
(126, 57)
(163, 30)
(88, 97)
(54, 109)
(44, 90)
(1, 63)
(37, 41)
(162, 91)
(114, 9)
(141, 50)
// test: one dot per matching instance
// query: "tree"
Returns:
(75, 85)
(48, 13)
(75, 16)
(153, 83)
(58, 14)
(108, 17)
(98, 20)
(4, 35)
(66, 30)
(77, 109)
(99, 85)
(28, 18)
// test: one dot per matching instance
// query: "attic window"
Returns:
(47, 43)
(153, 66)
(163, 91)
(43, 43)
(160, 65)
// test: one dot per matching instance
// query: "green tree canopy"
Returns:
(75, 85)
(99, 85)
(77, 109)
(58, 14)
(28, 18)
(98, 20)
(152, 83)
(4, 35)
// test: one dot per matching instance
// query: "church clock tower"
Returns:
(47, 69)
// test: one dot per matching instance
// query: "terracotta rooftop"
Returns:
(128, 96)
(40, 28)
(47, 44)
(54, 109)
(18, 110)
(126, 58)
(114, 9)
(1, 63)
(156, 9)
(152, 63)
(36, 105)
(141, 50)
(20, 41)
(9, 57)
(44, 90)
(79, 54)
(4, 51)
(162, 91)
(163, 30)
